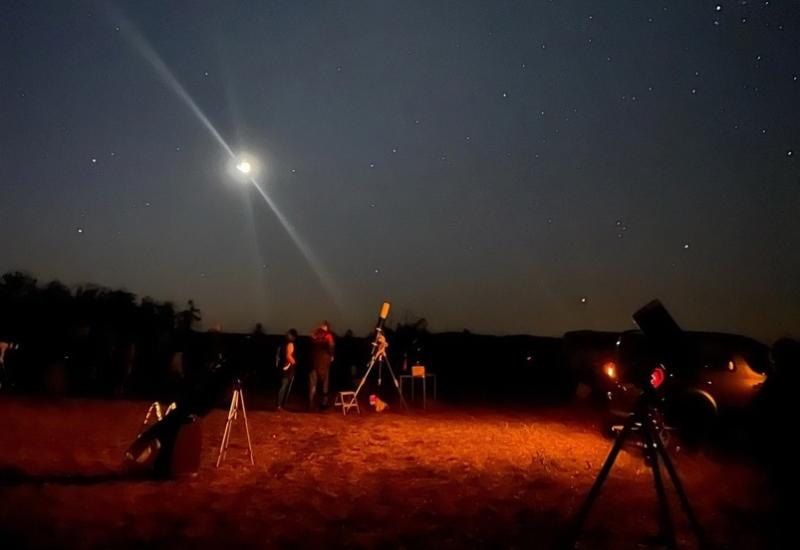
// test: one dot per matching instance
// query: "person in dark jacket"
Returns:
(322, 352)
(286, 364)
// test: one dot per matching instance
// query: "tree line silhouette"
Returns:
(92, 339)
(95, 340)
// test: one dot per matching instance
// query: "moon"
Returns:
(244, 167)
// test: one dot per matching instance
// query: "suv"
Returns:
(719, 380)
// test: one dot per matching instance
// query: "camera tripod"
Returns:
(237, 403)
(643, 420)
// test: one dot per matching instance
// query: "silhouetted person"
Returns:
(286, 364)
(774, 428)
(4, 349)
(322, 350)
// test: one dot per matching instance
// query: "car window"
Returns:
(719, 362)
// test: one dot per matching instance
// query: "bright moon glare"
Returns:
(244, 167)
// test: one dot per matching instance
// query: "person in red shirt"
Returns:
(322, 350)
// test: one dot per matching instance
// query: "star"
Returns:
(718, 7)
(79, 230)
(583, 299)
(372, 165)
(94, 161)
(394, 150)
(505, 95)
(376, 270)
(686, 246)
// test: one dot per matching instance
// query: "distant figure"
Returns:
(4, 348)
(322, 350)
(286, 364)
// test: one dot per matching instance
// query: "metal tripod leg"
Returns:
(650, 440)
(366, 375)
(247, 429)
(684, 500)
(396, 383)
(583, 512)
(223, 448)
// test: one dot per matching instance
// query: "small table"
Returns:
(424, 379)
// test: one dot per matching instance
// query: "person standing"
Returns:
(286, 362)
(322, 351)
(4, 348)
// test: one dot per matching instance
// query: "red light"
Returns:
(657, 377)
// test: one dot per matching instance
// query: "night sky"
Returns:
(508, 167)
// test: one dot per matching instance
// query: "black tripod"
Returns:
(643, 418)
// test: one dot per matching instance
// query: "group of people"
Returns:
(322, 355)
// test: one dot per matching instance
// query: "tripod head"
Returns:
(379, 344)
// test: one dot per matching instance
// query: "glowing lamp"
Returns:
(610, 369)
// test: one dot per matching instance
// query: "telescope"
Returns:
(384, 313)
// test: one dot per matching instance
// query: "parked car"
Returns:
(720, 380)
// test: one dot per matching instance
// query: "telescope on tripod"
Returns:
(668, 343)
(348, 400)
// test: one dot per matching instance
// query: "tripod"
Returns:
(348, 400)
(379, 357)
(237, 403)
(643, 418)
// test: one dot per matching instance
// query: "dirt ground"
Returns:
(445, 479)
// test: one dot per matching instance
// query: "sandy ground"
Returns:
(445, 479)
